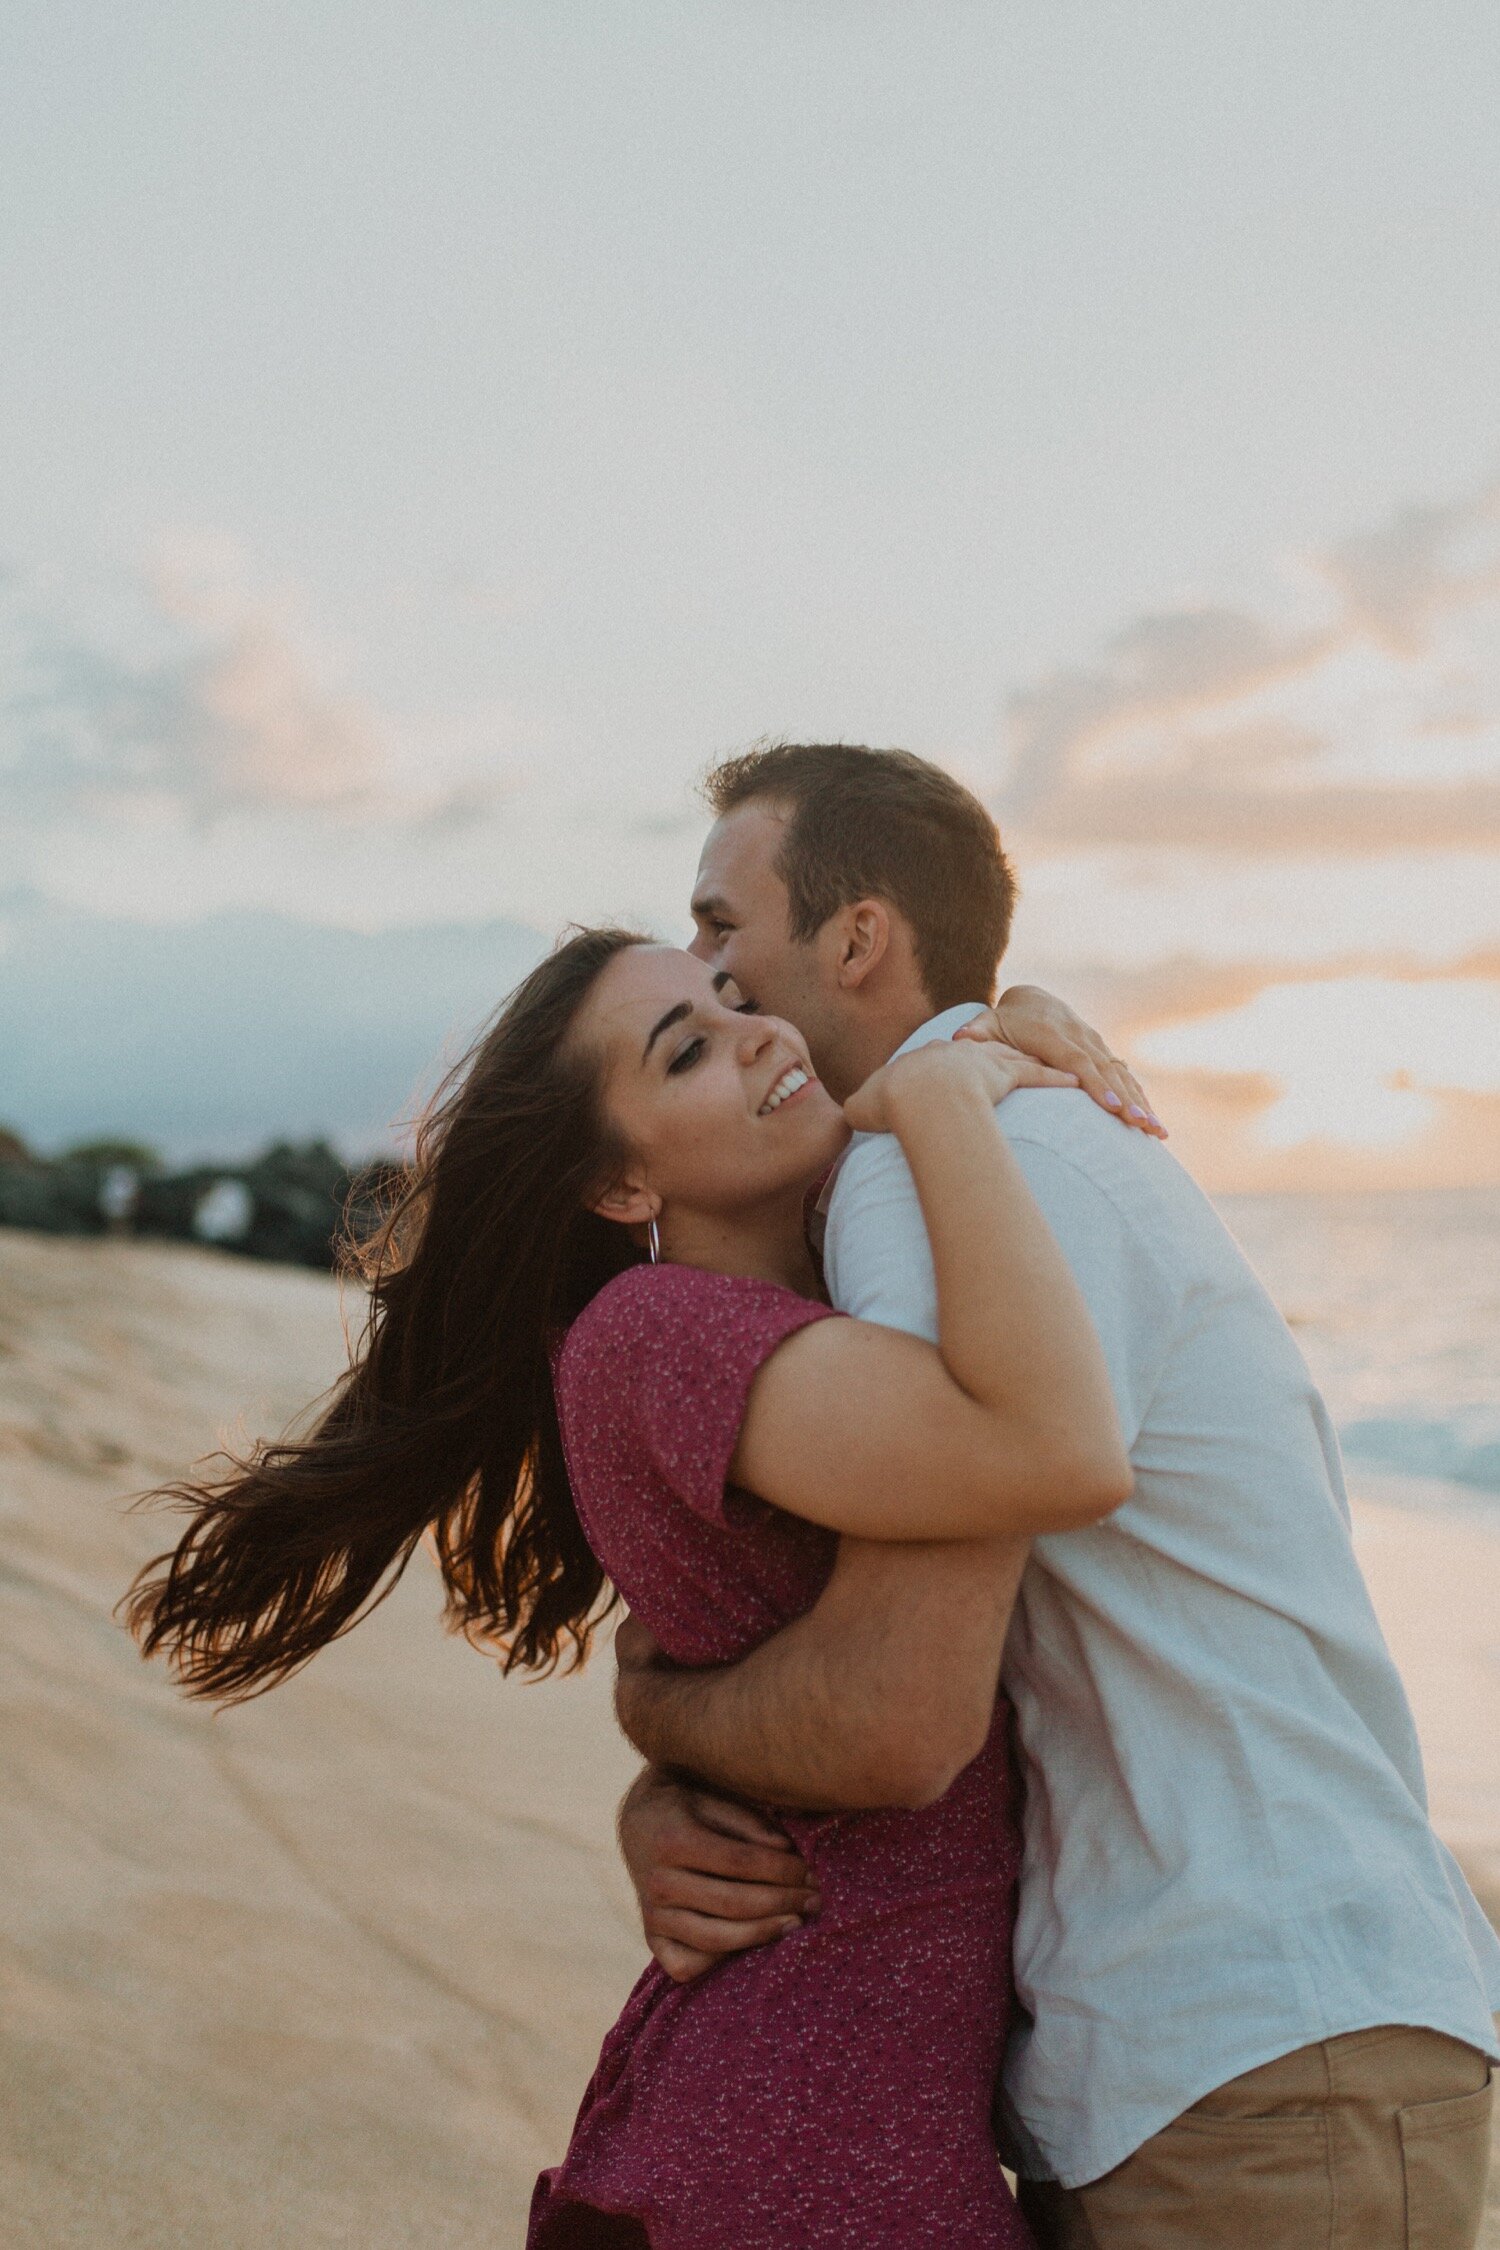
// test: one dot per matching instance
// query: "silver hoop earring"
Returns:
(653, 1239)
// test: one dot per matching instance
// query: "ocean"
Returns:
(1395, 1301)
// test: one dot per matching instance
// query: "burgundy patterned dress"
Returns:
(833, 2088)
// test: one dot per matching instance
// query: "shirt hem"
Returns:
(1254, 2058)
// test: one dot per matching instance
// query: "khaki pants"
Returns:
(1376, 2141)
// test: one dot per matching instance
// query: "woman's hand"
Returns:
(1041, 1025)
(982, 1066)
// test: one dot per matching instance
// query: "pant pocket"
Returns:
(1445, 2157)
(1219, 2183)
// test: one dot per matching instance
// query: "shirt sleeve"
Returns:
(879, 1265)
(670, 1364)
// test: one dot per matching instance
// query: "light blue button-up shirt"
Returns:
(1227, 1848)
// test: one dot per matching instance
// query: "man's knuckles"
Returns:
(734, 1901)
(710, 1933)
(713, 1854)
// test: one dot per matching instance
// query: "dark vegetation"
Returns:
(293, 1203)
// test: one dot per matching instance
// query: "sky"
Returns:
(434, 435)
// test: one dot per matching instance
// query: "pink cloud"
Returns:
(1213, 729)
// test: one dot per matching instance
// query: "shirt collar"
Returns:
(936, 1027)
(941, 1027)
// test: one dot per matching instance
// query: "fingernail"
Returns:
(814, 1905)
(791, 1921)
(1112, 1101)
(1136, 1116)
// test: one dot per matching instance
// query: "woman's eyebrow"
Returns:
(665, 1023)
(676, 1015)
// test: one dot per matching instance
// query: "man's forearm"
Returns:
(878, 1696)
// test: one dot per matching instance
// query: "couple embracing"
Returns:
(1026, 1770)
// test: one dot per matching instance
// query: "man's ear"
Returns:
(864, 937)
(629, 1203)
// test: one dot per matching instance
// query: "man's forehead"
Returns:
(740, 851)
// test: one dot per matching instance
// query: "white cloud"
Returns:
(1373, 728)
(1355, 1059)
(210, 707)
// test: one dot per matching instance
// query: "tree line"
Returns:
(292, 1203)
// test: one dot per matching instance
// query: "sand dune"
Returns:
(332, 1970)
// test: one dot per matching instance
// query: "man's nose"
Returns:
(702, 946)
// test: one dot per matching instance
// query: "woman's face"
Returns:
(720, 1110)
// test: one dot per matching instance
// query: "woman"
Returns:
(552, 1407)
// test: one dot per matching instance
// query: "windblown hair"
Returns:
(885, 824)
(445, 1421)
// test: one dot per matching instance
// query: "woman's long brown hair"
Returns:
(445, 1421)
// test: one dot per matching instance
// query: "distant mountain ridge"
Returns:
(213, 1036)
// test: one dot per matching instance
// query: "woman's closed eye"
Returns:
(685, 1057)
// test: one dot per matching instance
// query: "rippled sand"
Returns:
(333, 1969)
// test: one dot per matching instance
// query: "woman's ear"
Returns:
(628, 1203)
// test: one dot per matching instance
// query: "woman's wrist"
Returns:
(931, 1092)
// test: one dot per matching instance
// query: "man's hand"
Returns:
(711, 1875)
(1044, 1026)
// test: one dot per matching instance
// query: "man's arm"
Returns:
(879, 1696)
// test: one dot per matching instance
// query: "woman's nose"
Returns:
(759, 1034)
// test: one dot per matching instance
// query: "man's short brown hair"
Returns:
(884, 824)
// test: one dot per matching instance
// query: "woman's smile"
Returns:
(794, 1080)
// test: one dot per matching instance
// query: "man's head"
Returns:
(854, 892)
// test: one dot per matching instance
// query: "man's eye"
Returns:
(685, 1058)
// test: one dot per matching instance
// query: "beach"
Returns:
(333, 1968)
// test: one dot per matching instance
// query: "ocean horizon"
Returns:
(1394, 1298)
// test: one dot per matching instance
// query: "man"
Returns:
(1257, 1993)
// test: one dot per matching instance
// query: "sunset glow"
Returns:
(1355, 1060)
(390, 566)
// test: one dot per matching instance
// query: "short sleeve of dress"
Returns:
(659, 1368)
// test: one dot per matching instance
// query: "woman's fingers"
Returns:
(1030, 1073)
(1102, 1076)
(1114, 1085)
(1137, 1102)
(1045, 1028)
(1003, 1069)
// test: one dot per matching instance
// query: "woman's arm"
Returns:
(1008, 1428)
